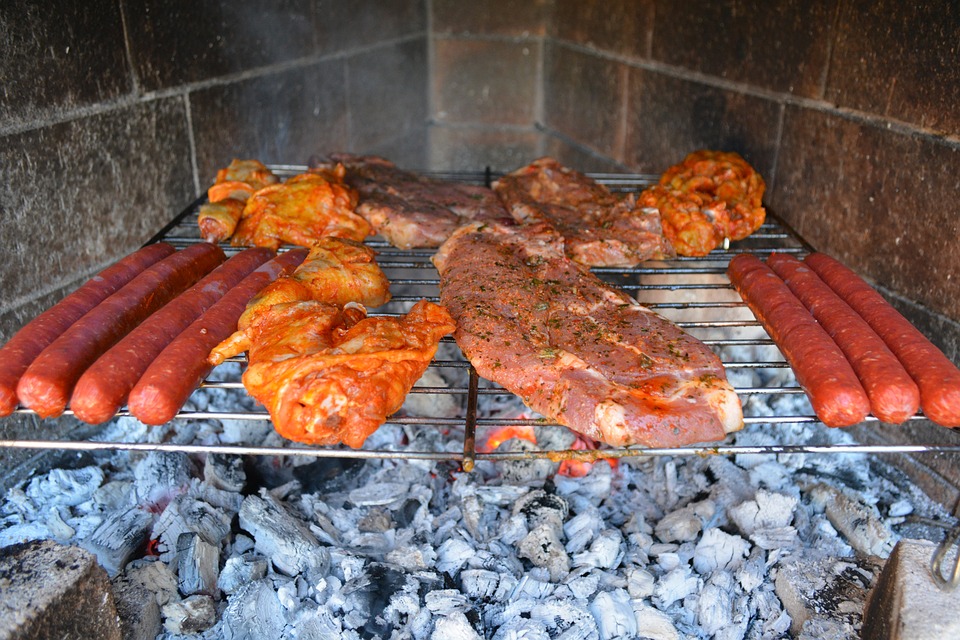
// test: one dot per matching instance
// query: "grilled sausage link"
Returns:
(821, 369)
(46, 385)
(894, 396)
(23, 348)
(937, 377)
(104, 387)
(182, 365)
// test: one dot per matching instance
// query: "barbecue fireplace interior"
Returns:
(117, 114)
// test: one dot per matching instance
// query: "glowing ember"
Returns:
(501, 435)
(569, 467)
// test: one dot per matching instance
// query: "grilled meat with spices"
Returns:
(410, 210)
(575, 349)
(599, 228)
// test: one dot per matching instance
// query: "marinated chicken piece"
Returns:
(599, 228)
(714, 188)
(329, 374)
(336, 271)
(575, 349)
(325, 371)
(234, 185)
(300, 211)
(413, 211)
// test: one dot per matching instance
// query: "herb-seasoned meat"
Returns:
(599, 228)
(575, 349)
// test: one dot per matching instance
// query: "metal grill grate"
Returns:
(692, 292)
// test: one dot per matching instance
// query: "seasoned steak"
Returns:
(575, 349)
(600, 228)
(411, 210)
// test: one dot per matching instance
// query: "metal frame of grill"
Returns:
(693, 292)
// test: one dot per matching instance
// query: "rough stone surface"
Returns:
(826, 593)
(137, 607)
(53, 591)
(906, 603)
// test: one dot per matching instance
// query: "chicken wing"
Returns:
(234, 185)
(300, 211)
(329, 374)
(336, 271)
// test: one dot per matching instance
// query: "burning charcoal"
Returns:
(376, 521)
(583, 586)
(254, 613)
(684, 525)
(160, 476)
(452, 555)
(716, 603)
(614, 614)
(379, 494)
(280, 536)
(653, 624)
(541, 507)
(542, 547)
(581, 529)
(366, 596)
(67, 487)
(239, 570)
(524, 470)
(328, 475)
(640, 582)
(198, 565)
(675, 585)
(606, 551)
(118, 538)
(479, 584)
(155, 576)
(454, 627)
(224, 472)
(443, 602)
(719, 550)
(861, 525)
(186, 514)
(414, 558)
(113, 495)
(767, 510)
(753, 571)
(189, 616)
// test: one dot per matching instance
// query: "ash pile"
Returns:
(744, 547)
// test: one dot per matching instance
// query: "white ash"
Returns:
(663, 548)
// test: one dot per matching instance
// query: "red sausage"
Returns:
(822, 370)
(104, 387)
(46, 385)
(28, 342)
(937, 377)
(179, 369)
(894, 396)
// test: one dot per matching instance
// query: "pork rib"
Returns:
(575, 349)
(410, 210)
(600, 228)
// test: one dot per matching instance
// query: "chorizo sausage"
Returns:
(46, 385)
(104, 387)
(937, 377)
(821, 369)
(182, 365)
(893, 394)
(23, 348)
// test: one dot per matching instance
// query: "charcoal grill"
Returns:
(693, 292)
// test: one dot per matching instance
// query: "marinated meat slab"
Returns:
(574, 348)
(413, 211)
(600, 228)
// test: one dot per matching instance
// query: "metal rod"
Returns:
(470, 427)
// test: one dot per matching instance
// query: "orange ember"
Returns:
(501, 435)
(572, 468)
